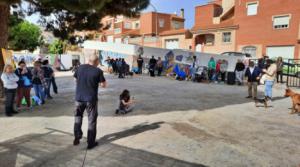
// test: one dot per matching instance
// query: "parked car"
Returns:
(236, 54)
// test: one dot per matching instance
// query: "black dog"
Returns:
(261, 101)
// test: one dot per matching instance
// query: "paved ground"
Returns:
(175, 124)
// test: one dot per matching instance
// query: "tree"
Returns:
(57, 47)
(63, 17)
(24, 36)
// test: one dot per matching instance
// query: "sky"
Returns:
(172, 6)
(165, 6)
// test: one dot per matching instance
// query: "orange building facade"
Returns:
(150, 29)
(257, 27)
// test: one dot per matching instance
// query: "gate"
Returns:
(292, 71)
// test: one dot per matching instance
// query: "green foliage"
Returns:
(70, 15)
(57, 47)
(23, 35)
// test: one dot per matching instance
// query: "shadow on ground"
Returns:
(153, 95)
(53, 149)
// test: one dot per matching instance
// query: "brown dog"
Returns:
(295, 99)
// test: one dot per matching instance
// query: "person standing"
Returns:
(122, 69)
(239, 71)
(218, 71)
(223, 70)
(88, 77)
(211, 68)
(159, 66)
(279, 70)
(253, 75)
(140, 62)
(48, 74)
(152, 65)
(270, 78)
(38, 81)
(9, 79)
(24, 84)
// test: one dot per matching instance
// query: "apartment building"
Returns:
(151, 29)
(257, 27)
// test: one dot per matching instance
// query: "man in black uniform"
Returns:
(88, 77)
(152, 66)
(140, 62)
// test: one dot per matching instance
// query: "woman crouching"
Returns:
(126, 104)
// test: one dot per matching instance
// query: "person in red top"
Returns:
(218, 70)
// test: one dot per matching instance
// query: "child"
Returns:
(126, 104)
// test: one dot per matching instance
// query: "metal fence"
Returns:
(292, 71)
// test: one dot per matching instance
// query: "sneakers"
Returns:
(249, 97)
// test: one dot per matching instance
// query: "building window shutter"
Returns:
(281, 22)
(252, 9)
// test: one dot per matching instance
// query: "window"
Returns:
(118, 31)
(127, 25)
(137, 25)
(209, 39)
(251, 50)
(226, 37)
(176, 26)
(161, 23)
(252, 9)
(281, 22)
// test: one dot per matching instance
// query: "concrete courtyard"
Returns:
(175, 124)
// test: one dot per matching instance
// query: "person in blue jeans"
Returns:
(270, 73)
(48, 74)
(38, 81)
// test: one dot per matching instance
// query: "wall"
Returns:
(219, 46)
(258, 29)
(183, 42)
(148, 23)
(204, 15)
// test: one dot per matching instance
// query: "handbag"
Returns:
(263, 79)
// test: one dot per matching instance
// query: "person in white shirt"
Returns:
(9, 79)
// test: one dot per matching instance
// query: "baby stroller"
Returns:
(201, 74)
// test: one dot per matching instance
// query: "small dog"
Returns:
(295, 99)
(261, 101)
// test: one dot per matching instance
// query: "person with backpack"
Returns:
(24, 84)
(48, 74)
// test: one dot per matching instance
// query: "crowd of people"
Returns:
(19, 82)
(118, 66)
